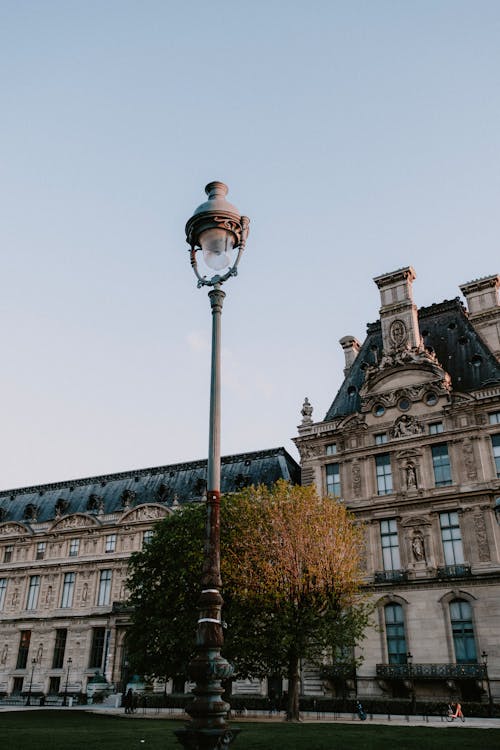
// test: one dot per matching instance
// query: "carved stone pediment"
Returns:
(410, 368)
(354, 423)
(146, 512)
(75, 521)
(13, 529)
(415, 521)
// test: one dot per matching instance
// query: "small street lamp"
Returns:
(65, 699)
(484, 657)
(409, 661)
(28, 697)
(217, 229)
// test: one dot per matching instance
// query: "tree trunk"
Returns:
(292, 713)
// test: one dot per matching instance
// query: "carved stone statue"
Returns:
(411, 477)
(306, 412)
(417, 547)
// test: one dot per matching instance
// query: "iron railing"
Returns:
(431, 671)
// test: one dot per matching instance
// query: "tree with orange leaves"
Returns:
(291, 562)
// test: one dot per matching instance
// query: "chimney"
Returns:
(351, 347)
(484, 309)
(398, 313)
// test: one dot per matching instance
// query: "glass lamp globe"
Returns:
(217, 245)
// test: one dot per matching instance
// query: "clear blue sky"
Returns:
(358, 136)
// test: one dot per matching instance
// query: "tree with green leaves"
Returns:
(291, 573)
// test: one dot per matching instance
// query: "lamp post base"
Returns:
(206, 739)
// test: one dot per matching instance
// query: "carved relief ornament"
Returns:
(77, 521)
(13, 529)
(145, 512)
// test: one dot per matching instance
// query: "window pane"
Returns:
(331, 449)
(33, 590)
(395, 634)
(381, 438)
(68, 587)
(463, 631)
(494, 417)
(441, 465)
(59, 648)
(451, 536)
(110, 543)
(333, 480)
(74, 546)
(24, 645)
(104, 595)
(390, 544)
(384, 474)
(436, 428)
(40, 550)
(495, 441)
(97, 648)
(3, 589)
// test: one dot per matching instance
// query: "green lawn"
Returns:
(77, 730)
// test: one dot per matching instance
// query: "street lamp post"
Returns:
(217, 229)
(409, 661)
(484, 657)
(65, 699)
(28, 698)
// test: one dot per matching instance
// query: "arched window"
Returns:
(395, 633)
(463, 631)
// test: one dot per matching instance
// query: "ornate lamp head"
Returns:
(216, 228)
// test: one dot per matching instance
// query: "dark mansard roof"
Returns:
(170, 485)
(446, 330)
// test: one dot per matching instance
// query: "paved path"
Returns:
(395, 720)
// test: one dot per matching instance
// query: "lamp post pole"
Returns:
(484, 657)
(216, 228)
(409, 661)
(65, 699)
(28, 698)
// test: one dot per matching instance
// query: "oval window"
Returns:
(430, 399)
(378, 410)
(404, 404)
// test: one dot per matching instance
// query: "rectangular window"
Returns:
(74, 546)
(331, 449)
(441, 465)
(435, 428)
(381, 438)
(333, 480)
(395, 633)
(24, 647)
(8, 552)
(110, 543)
(97, 648)
(17, 685)
(54, 685)
(452, 538)
(495, 442)
(68, 589)
(146, 537)
(3, 590)
(494, 417)
(390, 544)
(33, 591)
(104, 594)
(40, 550)
(384, 474)
(59, 648)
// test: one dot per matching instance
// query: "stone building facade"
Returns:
(64, 552)
(411, 444)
